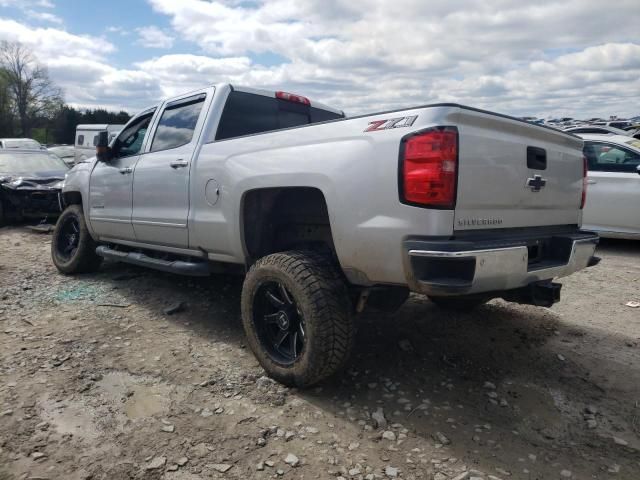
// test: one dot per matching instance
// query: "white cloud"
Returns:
(560, 57)
(43, 16)
(77, 63)
(180, 73)
(118, 30)
(50, 43)
(368, 55)
(153, 37)
(27, 3)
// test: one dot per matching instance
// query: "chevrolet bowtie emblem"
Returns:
(536, 183)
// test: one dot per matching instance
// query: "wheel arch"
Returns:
(72, 198)
(274, 219)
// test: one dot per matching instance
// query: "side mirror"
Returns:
(103, 152)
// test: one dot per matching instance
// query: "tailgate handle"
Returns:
(536, 158)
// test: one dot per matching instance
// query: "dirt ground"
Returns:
(97, 381)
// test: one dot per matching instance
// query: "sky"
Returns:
(575, 58)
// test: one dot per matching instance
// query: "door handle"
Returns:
(178, 163)
(125, 170)
(591, 182)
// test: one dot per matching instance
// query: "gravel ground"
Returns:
(97, 381)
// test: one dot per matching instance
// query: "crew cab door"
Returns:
(161, 177)
(110, 186)
(613, 191)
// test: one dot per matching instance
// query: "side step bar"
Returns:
(181, 267)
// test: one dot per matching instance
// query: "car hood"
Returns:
(45, 180)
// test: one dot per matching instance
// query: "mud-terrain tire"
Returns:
(299, 299)
(458, 304)
(72, 248)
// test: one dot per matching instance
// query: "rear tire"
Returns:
(459, 304)
(72, 248)
(297, 317)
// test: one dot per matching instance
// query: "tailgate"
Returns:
(514, 174)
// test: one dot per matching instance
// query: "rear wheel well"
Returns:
(287, 218)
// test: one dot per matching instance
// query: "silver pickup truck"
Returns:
(326, 214)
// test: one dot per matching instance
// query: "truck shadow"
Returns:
(492, 380)
(620, 247)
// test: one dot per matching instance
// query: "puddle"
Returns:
(136, 397)
(110, 405)
(70, 417)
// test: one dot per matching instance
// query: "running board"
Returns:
(197, 268)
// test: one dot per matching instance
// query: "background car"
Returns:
(621, 124)
(65, 152)
(20, 143)
(30, 184)
(613, 192)
(598, 129)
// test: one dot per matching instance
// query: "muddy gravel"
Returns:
(102, 377)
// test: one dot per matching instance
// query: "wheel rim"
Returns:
(68, 238)
(279, 322)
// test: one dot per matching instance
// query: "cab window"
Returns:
(129, 142)
(177, 123)
(608, 157)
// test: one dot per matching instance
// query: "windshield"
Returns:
(21, 143)
(30, 162)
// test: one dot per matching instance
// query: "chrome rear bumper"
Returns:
(470, 271)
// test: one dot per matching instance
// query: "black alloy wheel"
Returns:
(279, 322)
(68, 238)
(296, 313)
(73, 250)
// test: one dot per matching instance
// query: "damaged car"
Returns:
(30, 184)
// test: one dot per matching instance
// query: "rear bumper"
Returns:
(484, 265)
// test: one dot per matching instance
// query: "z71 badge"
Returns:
(391, 123)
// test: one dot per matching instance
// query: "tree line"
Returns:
(32, 106)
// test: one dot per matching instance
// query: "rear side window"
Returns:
(80, 140)
(177, 123)
(247, 114)
(607, 157)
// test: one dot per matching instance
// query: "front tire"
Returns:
(72, 248)
(297, 317)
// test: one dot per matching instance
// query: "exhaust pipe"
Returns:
(540, 294)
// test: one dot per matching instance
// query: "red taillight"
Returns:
(584, 181)
(290, 97)
(429, 168)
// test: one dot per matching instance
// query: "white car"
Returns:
(65, 152)
(613, 199)
(602, 129)
(24, 143)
